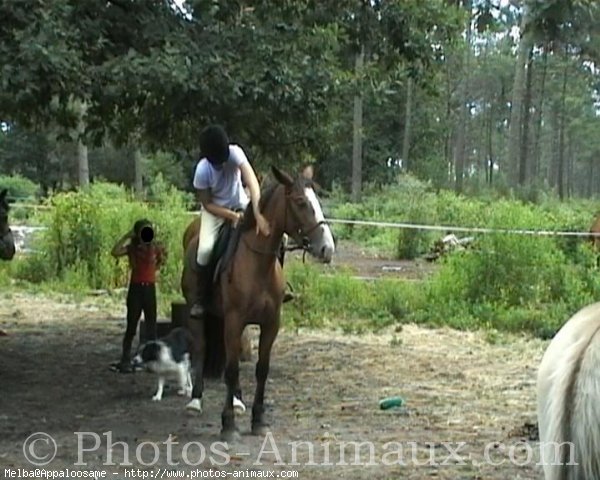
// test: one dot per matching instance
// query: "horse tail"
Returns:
(569, 400)
(215, 355)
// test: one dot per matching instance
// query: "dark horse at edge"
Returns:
(249, 290)
(7, 241)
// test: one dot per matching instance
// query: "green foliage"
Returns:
(18, 186)
(341, 301)
(415, 202)
(167, 166)
(505, 286)
(506, 283)
(83, 227)
(20, 189)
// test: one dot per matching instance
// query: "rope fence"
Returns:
(449, 228)
(416, 226)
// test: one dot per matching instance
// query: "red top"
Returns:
(144, 261)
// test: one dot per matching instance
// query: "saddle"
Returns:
(226, 244)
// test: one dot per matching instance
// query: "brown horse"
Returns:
(250, 291)
(191, 234)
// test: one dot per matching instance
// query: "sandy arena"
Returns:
(323, 388)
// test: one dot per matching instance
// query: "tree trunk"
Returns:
(514, 132)
(464, 109)
(537, 155)
(553, 160)
(83, 165)
(138, 183)
(561, 138)
(590, 177)
(524, 150)
(490, 152)
(357, 131)
(83, 168)
(448, 132)
(407, 124)
(570, 161)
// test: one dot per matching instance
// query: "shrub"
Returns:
(83, 226)
(507, 282)
(348, 303)
(18, 186)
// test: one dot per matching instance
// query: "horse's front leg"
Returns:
(233, 333)
(268, 332)
(196, 328)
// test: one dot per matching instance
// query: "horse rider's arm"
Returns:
(217, 210)
(249, 178)
(120, 248)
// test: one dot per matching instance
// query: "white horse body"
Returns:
(569, 399)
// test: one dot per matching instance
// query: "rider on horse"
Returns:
(219, 178)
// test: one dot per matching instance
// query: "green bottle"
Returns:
(391, 402)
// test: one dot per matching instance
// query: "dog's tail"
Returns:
(569, 401)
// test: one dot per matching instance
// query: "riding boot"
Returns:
(203, 281)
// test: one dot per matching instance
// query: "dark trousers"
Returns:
(141, 297)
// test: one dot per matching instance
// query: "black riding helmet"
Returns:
(214, 144)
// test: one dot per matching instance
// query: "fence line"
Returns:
(444, 228)
(450, 228)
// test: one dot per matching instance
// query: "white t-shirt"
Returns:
(225, 182)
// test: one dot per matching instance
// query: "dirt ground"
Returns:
(366, 265)
(323, 388)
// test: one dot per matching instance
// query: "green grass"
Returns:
(507, 283)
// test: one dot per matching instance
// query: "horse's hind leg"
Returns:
(233, 333)
(268, 334)
(196, 328)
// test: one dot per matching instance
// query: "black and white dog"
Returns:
(168, 356)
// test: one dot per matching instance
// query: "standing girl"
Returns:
(146, 256)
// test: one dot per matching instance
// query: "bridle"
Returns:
(303, 245)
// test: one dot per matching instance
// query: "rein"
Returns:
(304, 246)
(260, 252)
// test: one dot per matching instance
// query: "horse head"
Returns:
(7, 242)
(304, 219)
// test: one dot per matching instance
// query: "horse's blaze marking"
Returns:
(314, 203)
(319, 216)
